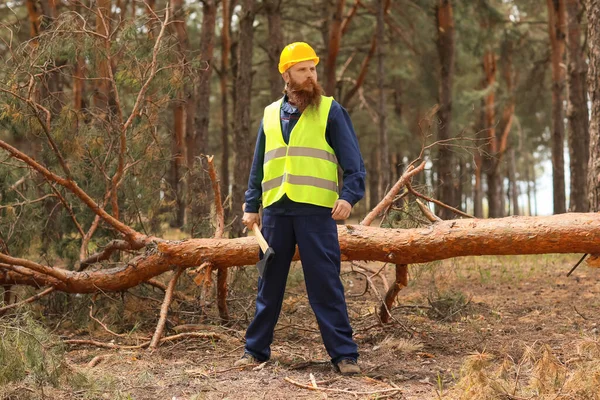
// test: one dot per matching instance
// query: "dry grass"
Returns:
(448, 305)
(402, 345)
(539, 373)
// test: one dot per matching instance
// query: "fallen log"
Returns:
(565, 233)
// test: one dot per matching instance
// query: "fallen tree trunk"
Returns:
(566, 233)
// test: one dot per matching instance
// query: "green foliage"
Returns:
(29, 352)
(88, 139)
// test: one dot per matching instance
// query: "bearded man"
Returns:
(302, 140)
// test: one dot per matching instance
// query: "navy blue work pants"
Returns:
(319, 249)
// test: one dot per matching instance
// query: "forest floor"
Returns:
(497, 307)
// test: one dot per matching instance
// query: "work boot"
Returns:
(246, 359)
(347, 366)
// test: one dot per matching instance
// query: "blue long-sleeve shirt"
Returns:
(340, 136)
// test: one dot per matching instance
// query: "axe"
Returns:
(268, 252)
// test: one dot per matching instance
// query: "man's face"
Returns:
(300, 72)
(302, 85)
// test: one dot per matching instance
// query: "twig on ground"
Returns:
(106, 328)
(207, 335)
(306, 364)
(164, 310)
(96, 360)
(287, 379)
(576, 310)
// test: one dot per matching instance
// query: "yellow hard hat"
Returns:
(295, 53)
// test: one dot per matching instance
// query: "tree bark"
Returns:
(178, 157)
(199, 141)
(478, 159)
(102, 94)
(557, 28)
(333, 46)
(593, 17)
(498, 138)
(566, 233)
(243, 145)
(577, 110)
(34, 14)
(199, 117)
(383, 147)
(225, 50)
(373, 180)
(512, 178)
(274, 46)
(494, 183)
(445, 47)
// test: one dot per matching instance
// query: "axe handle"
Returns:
(260, 239)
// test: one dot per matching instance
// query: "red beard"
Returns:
(304, 95)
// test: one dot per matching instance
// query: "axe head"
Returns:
(262, 264)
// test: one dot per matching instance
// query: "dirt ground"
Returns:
(449, 310)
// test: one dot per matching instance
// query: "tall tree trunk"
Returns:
(498, 138)
(197, 134)
(512, 179)
(52, 80)
(478, 188)
(333, 46)
(534, 189)
(481, 136)
(34, 14)
(383, 146)
(503, 172)
(225, 51)
(529, 194)
(79, 84)
(494, 186)
(557, 29)
(178, 157)
(102, 90)
(373, 180)
(45, 91)
(445, 46)
(362, 75)
(593, 17)
(243, 143)
(577, 111)
(207, 46)
(183, 130)
(459, 188)
(491, 162)
(274, 45)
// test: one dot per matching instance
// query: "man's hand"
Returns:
(341, 210)
(249, 219)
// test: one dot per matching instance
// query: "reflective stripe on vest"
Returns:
(305, 169)
(300, 151)
(299, 180)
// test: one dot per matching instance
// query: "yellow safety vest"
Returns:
(305, 169)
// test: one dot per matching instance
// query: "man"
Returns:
(302, 139)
